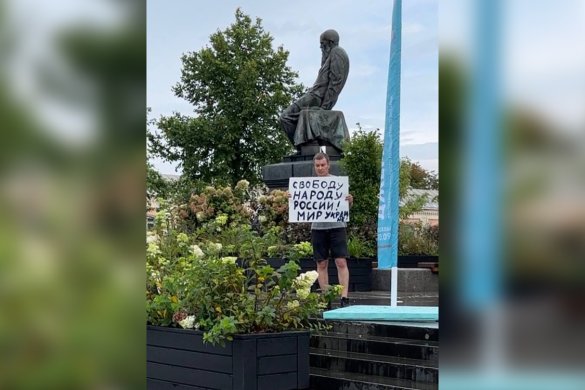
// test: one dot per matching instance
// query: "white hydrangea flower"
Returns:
(303, 293)
(188, 322)
(262, 219)
(311, 276)
(306, 279)
(182, 238)
(197, 251)
(221, 220)
(152, 238)
(272, 249)
(153, 249)
(303, 283)
(247, 209)
(293, 304)
(242, 185)
(229, 259)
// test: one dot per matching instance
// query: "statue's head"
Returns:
(328, 39)
(331, 36)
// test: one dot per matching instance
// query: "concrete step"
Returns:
(375, 355)
(411, 280)
(422, 331)
(376, 345)
(375, 366)
(322, 379)
(383, 298)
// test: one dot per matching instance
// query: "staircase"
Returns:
(375, 356)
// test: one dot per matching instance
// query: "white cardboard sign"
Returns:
(318, 199)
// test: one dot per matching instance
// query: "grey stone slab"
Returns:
(409, 280)
(277, 171)
(277, 175)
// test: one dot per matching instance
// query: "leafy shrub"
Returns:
(363, 163)
(358, 247)
(416, 239)
(195, 280)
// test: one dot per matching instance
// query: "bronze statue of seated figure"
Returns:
(310, 118)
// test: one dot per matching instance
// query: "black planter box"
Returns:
(360, 271)
(178, 359)
(411, 261)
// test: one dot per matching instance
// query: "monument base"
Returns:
(309, 142)
(276, 176)
(309, 150)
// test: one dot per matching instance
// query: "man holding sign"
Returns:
(325, 203)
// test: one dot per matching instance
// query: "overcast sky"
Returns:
(541, 54)
(181, 26)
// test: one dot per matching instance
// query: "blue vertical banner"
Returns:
(480, 236)
(389, 181)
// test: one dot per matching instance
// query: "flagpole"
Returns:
(388, 206)
(390, 175)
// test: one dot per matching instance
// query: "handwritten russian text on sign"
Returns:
(318, 199)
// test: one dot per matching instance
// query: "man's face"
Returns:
(325, 47)
(321, 167)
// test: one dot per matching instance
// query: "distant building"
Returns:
(152, 205)
(429, 215)
(170, 177)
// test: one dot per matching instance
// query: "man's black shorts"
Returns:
(329, 242)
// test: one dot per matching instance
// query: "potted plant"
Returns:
(218, 321)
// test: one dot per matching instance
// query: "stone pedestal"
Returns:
(276, 176)
(318, 130)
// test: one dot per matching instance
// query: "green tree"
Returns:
(238, 85)
(420, 178)
(363, 164)
(156, 185)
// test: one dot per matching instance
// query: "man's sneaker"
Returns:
(344, 302)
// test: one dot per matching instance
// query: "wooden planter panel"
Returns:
(178, 359)
(188, 376)
(153, 384)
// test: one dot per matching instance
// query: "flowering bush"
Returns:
(272, 211)
(221, 283)
(219, 208)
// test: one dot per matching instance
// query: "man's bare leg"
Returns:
(323, 277)
(343, 275)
